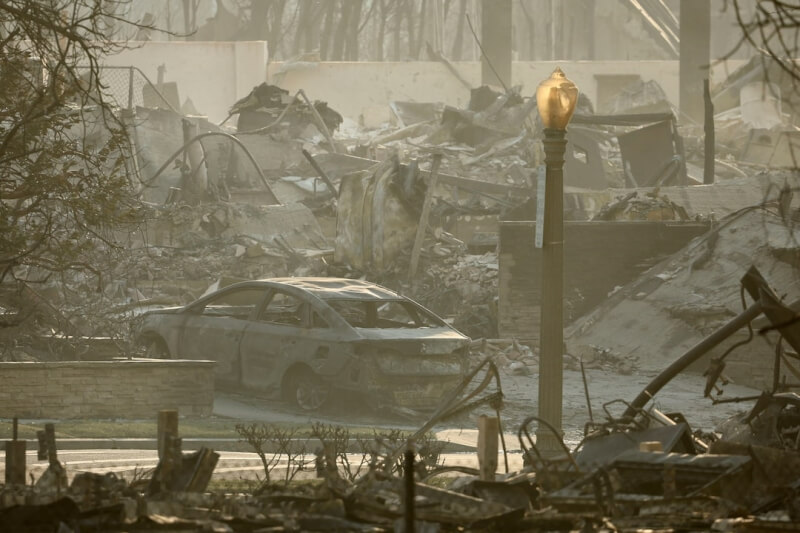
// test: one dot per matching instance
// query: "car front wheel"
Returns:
(308, 390)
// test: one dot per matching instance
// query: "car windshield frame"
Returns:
(209, 305)
(374, 313)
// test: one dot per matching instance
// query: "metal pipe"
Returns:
(213, 134)
(130, 89)
(320, 123)
(321, 173)
(694, 353)
(710, 141)
(586, 393)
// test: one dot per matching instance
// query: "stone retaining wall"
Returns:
(135, 388)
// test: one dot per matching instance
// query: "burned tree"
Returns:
(773, 28)
(65, 186)
(770, 35)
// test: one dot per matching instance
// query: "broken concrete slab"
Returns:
(666, 310)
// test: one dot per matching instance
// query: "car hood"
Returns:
(442, 334)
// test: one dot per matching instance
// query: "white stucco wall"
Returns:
(213, 74)
(363, 90)
(216, 74)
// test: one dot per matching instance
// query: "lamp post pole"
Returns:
(551, 322)
(556, 98)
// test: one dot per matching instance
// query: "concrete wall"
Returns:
(362, 91)
(106, 389)
(216, 74)
(213, 74)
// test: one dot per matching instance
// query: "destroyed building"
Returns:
(302, 225)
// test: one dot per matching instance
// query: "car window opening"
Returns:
(284, 309)
(384, 314)
(317, 321)
(238, 304)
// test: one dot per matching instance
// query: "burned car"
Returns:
(302, 338)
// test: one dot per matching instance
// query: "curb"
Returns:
(189, 444)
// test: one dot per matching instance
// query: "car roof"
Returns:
(339, 288)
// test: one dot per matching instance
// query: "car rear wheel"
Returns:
(308, 391)
(157, 349)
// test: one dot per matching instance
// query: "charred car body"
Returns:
(303, 337)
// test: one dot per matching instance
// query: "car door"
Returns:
(280, 335)
(215, 327)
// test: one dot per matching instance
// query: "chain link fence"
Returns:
(129, 87)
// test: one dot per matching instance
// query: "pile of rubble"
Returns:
(687, 296)
(509, 355)
(452, 284)
(591, 357)
(492, 140)
(650, 206)
(225, 239)
(228, 202)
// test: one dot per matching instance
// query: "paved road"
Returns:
(248, 407)
(683, 394)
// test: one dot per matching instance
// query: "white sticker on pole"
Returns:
(540, 206)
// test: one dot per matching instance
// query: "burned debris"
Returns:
(338, 246)
(635, 467)
(427, 212)
(268, 105)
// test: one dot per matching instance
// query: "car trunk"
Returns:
(418, 368)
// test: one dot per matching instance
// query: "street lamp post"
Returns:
(556, 98)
